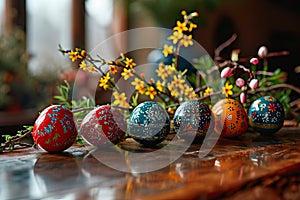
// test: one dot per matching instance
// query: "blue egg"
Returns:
(266, 115)
(149, 123)
(192, 117)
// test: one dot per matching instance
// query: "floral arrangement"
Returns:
(170, 88)
(243, 79)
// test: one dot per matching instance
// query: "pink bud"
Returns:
(262, 52)
(254, 61)
(243, 97)
(240, 82)
(253, 84)
(226, 72)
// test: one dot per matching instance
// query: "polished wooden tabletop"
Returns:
(249, 167)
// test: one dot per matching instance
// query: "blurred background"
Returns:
(31, 30)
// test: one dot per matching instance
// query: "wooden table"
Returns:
(250, 167)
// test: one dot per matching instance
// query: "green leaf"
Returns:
(60, 98)
(135, 99)
(29, 128)
(276, 76)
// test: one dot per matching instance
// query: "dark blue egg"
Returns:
(192, 117)
(149, 123)
(266, 115)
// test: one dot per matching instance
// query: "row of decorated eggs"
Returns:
(149, 124)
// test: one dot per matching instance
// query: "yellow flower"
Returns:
(151, 92)
(192, 26)
(120, 99)
(83, 53)
(129, 63)
(227, 89)
(192, 96)
(80, 53)
(180, 27)
(141, 90)
(73, 55)
(171, 69)
(208, 91)
(104, 80)
(189, 92)
(175, 37)
(91, 69)
(167, 50)
(178, 82)
(138, 83)
(162, 71)
(187, 40)
(159, 85)
(112, 69)
(173, 91)
(83, 66)
(183, 12)
(106, 77)
(127, 73)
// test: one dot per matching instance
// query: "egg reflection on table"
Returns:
(57, 172)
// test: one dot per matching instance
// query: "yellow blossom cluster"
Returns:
(174, 82)
(80, 54)
(181, 33)
(120, 99)
(170, 84)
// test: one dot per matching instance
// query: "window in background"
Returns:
(1, 15)
(48, 25)
(99, 15)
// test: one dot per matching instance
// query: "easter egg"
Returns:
(103, 125)
(231, 118)
(266, 115)
(192, 117)
(55, 129)
(149, 123)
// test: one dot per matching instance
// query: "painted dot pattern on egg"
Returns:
(192, 117)
(266, 115)
(103, 125)
(149, 123)
(231, 118)
(55, 129)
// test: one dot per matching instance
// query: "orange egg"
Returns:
(231, 118)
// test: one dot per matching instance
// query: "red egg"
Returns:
(231, 118)
(103, 125)
(55, 129)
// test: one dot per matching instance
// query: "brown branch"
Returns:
(283, 85)
(15, 139)
(224, 45)
(75, 110)
(293, 103)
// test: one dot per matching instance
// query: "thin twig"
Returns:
(225, 44)
(283, 85)
(76, 110)
(15, 139)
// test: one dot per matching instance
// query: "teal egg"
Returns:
(149, 123)
(266, 115)
(192, 117)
